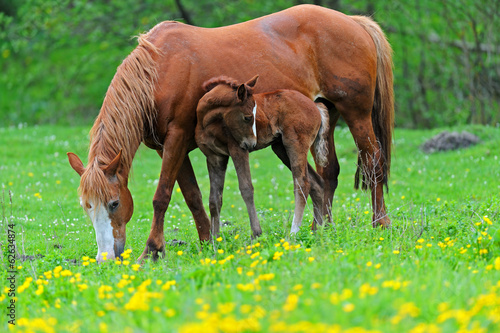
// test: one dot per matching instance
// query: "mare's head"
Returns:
(105, 197)
(233, 103)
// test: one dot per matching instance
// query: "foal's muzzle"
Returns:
(248, 144)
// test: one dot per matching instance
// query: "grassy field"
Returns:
(436, 270)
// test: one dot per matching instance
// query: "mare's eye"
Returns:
(89, 206)
(248, 118)
(113, 205)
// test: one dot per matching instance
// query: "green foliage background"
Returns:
(57, 57)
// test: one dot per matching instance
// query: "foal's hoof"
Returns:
(256, 233)
(383, 222)
(152, 252)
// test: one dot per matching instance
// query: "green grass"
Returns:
(436, 270)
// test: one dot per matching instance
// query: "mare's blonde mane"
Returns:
(127, 112)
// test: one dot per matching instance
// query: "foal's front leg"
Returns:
(217, 166)
(242, 166)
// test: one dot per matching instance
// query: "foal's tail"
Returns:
(383, 104)
(320, 144)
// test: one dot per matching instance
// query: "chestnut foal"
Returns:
(232, 121)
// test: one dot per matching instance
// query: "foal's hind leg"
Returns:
(315, 181)
(330, 172)
(297, 150)
(371, 163)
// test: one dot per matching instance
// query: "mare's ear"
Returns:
(242, 92)
(76, 163)
(211, 117)
(251, 83)
(111, 169)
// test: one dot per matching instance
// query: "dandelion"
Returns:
(237, 236)
(136, 267)
(349, 307)
(219, 239)
(179, 253)
(395, 252)
(82, 287)
(39, 291)
(369, 263)
(291, 302)
(438, 199)
(311, 259)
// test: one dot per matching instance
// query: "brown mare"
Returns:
(231, 121)
(344, 61)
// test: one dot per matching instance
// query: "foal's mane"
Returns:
(215, 81)
(127, 111)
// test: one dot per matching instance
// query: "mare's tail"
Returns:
(383, 103)
(320, 144)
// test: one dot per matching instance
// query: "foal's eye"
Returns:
(248, 118)
(113, 205)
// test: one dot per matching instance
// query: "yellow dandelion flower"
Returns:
(349, 307)
(180, 253)
(219, 239)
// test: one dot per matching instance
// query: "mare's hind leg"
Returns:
(217, 166)
(371, 163)
(315, 181)
(242, 166)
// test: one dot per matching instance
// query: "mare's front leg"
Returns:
(192, 195)
(242, 166)
(217, 166)
(174, 152)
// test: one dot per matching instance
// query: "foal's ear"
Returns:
(111, 169)
(242, 92)
(251, 83)
(76, 163)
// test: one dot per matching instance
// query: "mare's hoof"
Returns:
(152, 252)
(383, 222)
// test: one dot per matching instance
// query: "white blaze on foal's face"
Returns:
(103, 230)
(254, 127)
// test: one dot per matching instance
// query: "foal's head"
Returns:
(233, 103)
